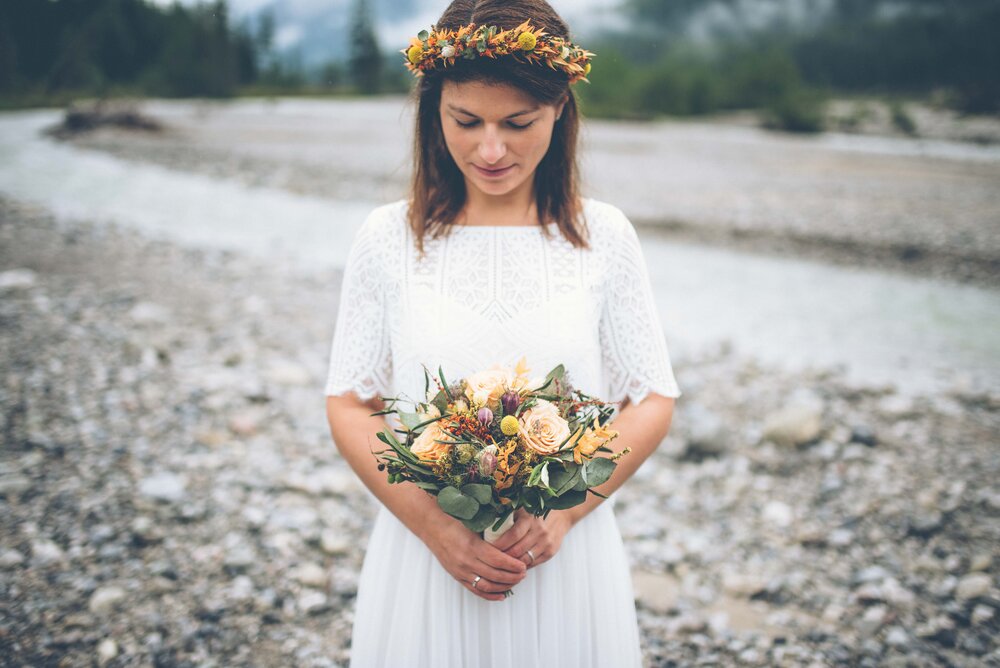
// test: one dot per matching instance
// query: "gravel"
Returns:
(170, 496)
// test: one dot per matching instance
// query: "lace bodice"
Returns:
(494, 294)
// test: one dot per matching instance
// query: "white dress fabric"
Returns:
(482, 295)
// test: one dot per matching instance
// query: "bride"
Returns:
(493, 256)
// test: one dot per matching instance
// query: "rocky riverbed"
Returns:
(171, 497)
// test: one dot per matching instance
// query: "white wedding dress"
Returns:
(484, 295)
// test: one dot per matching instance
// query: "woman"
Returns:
(493, 256)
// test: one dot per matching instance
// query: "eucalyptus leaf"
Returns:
(481, 493)
(568, 500)
(422, 35)
(483, 519)
(598, 470)
(457, 504)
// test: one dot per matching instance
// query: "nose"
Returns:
(492, 148)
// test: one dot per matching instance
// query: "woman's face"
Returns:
(497, 134)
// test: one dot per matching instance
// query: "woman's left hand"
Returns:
(531, 533)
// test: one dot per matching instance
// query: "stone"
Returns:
(779, 514)
(14, 485)
(982, 614)
(973, 586)
(743, 585)
(11, 558)
(872, 620)
(797, 424)
(312, 602)
(657, 592)
(106, 599)
(107, 650)
(864, 435)
(17, 279)
(335, 542)
(164, 486)
(925, 523)
(44, 551)
(310, 574)
(897, 637)
(981, 562)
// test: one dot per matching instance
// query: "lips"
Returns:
(493, 172)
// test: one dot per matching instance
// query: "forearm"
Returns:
(354, 430)
(641, 427)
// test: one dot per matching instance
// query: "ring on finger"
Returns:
(476, 581)
(530, 554)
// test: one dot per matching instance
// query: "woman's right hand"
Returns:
(464, 554)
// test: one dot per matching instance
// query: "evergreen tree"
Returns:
(366, 60)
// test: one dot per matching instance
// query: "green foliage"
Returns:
(105, 45)
(798, 110)
(365, 64)
(902, 120)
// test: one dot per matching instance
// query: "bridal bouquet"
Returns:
(497, 441)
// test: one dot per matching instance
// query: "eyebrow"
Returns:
(469, 113)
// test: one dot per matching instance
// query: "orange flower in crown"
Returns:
(432, 49)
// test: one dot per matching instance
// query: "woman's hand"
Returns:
(465, 555)
(531, 533)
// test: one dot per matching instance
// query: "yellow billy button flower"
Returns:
(586, 70)
(526, 41)
(509, 425)
(415, 53)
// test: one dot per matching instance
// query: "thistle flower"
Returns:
(510, 401)
(487, 463)
(485, 416)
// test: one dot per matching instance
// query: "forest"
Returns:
(942, 49)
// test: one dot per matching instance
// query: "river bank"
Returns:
(171, 496)
(917, 206)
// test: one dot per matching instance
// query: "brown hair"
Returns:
(438, 188)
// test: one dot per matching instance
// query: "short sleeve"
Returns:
(360, 354)
(635, 356)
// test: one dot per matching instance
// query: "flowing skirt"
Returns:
(575, 610)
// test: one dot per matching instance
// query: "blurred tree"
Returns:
(365, 63)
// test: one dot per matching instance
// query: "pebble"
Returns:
(310, 574)
(106, 599)
(794, 425)
(107, 650)
(164, 486)
(973, 586)
(44, 551)
(17, 279)
(11, 558)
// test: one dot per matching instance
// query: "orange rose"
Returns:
(432, 443)
(542, 428)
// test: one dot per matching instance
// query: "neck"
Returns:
(514, 208)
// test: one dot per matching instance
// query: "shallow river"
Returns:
(921, 335)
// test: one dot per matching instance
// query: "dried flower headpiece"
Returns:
(441, 48)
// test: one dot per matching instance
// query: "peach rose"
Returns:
(485, 387)
(542, 428)
(428, 446)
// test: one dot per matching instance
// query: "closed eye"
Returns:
(512, 125)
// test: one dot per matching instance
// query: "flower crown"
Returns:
(429, 50)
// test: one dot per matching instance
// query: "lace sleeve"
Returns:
(635, 355)
(360, 355)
